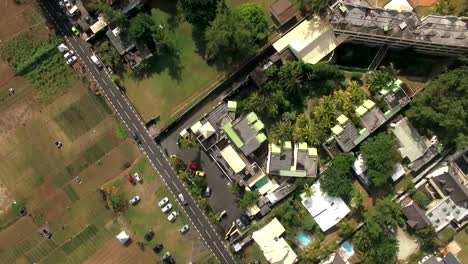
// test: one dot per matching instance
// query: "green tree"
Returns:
(111, 15)
(141, 28)
(228, 39)
(259, 103)
(337, 180)
(186, 142)
(255, 21)
(281, 131)
(118, 202)
(447, 116)
(199, 12)
(109, 55)
(309, 225)
(421, 199)
(314, 6)
(345, 228)
(380, 153)
(357, 201)
(381, 78)
(427, 238)
(288, 215)
(249, 199)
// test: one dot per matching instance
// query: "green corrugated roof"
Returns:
(302, 146)
(313, 152)
(287, 145)
(260, 138)
(275, 149)
(233, 135)
(258, 125)
(252, 117)
(368, 104)
(298, 173)
(361, 110)
(337, 130)
(342, 119)
(232, 105)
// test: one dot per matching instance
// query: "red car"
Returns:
(130, 179)
(193, 166)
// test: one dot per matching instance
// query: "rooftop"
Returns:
(275, 248)
(450, 185)
(326, 210)
(444, 212)
(416, 217)
(245, 133)
(345, 133)
(120, 40)
(233, 159)
(300, 161)
(370, 115)
(412, 145)
(443, 30)
(282, 11)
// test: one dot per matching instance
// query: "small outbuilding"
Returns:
(123, 237)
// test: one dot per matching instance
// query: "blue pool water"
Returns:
(347, 248)
(303, 238)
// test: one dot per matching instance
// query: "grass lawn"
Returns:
(251, 253)
(147, 215)
(462, 240)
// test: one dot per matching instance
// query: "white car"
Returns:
(71, 60)
(137, 177)
(68, 54)
(184, 229)
(135, 200)
(172, 216)
(163, 202)
(67, 3)
(182, 199)
(167, 208)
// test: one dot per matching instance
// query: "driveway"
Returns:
(406, 245)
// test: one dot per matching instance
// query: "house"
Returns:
(335, 258)
(275, 248)
(282, 11)
(458, 164)
(346, 133)
(326, 210)
(394, 97)
(370, 115)
(448, 259)
(360, 168)
(416, 217)
(417, 149)
(133, 53)
(300, 161)
(452, 207)
(310, 41)
(245, 133)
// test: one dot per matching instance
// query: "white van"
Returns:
(182, 199)
(96, 61)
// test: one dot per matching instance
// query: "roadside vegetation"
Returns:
(39, 61)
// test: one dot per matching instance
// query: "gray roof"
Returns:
(373, 119)
(444, 30)
(416, 216)
(282, 161)
(120, 40)
(247, 134)
(338, 259)
(451, 259)
(398, 98)
(347, 137)
(431, 260)
(452, 186)
(412, 144)
(307, 163)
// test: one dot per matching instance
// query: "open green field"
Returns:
(177, 81)
(147, 215)
(462, 240)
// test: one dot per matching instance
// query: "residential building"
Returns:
(458, 164)
(300, 161)
(335, 258)
(370, 115)
(133, 53)
(245, 133)
(448, 259)
(444, 35)
(326, 210)
(417, 149)
(360, 168)
(274, 247)
(416, 217)
(347, 135)
(282, 11)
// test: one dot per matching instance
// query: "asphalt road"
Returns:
(125, 111)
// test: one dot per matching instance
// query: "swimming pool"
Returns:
(260, 183)
(346, 246)
(303, 238)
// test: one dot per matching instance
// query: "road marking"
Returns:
(119, 103)
(104, 81)
(112, 92)
(127, 115)
(151, 150)
(177, 187)
(208, 235)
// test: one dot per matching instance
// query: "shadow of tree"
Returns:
(198, 36)
(168, 59)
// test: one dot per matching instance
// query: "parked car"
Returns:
(221, 215)
(75, 31)
(71, 60)
(166, 255)
(208, 191)
(163, 202)
(158, 248)
(193, 166)
(184, 229)
(200, 173)
(68, 54)
(135, 137)
(149, 235)
(240, 224)
(245, 219)
(67, 3)
(172, 216)
(130, 179)
(182, 199)
(89, 20)
(167, 208)
(137, 177)
(61, 4)
(135, 200)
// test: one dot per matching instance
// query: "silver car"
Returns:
(184, 229)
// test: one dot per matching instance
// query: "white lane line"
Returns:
(81, 48)
(160, 164)
(119, 103)
(127, 115)
(175, 185)
(151, 150)
(104, 81)
(209, 235)
(112, 92)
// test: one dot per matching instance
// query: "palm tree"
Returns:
(186, 142)
(281, 131)
(308, 192)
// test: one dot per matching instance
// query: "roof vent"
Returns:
(403, 25)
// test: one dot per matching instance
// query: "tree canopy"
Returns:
(255, 21)
(380, 154)
(111, 15)
(441, 108)
(314, 6)
(141, 27)
(199, 12)
(337, 180)
(381, 78)
(109, 55)
(373, 241)
(249, 199)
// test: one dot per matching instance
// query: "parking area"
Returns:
(75, 10)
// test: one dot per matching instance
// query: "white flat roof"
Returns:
(399, 5)
(398, 172)
(310, 41)
(96, 27)
(275, 249)
(326, 210)
(195, 127)
(233, 159)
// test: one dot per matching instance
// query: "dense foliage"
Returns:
(255, 21)
(314, 6)
(337, 180)
(374, 242)
(39, 61)
(381, 78)
(442, 108)
(199, 12)
(109, 55)
(421, 199)
(249, 199)
(111, 15)
(380, 153)
(141, 27)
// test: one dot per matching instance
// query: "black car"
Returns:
(89, 19)
(158, 248)
(149, 235)
(245, 219)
